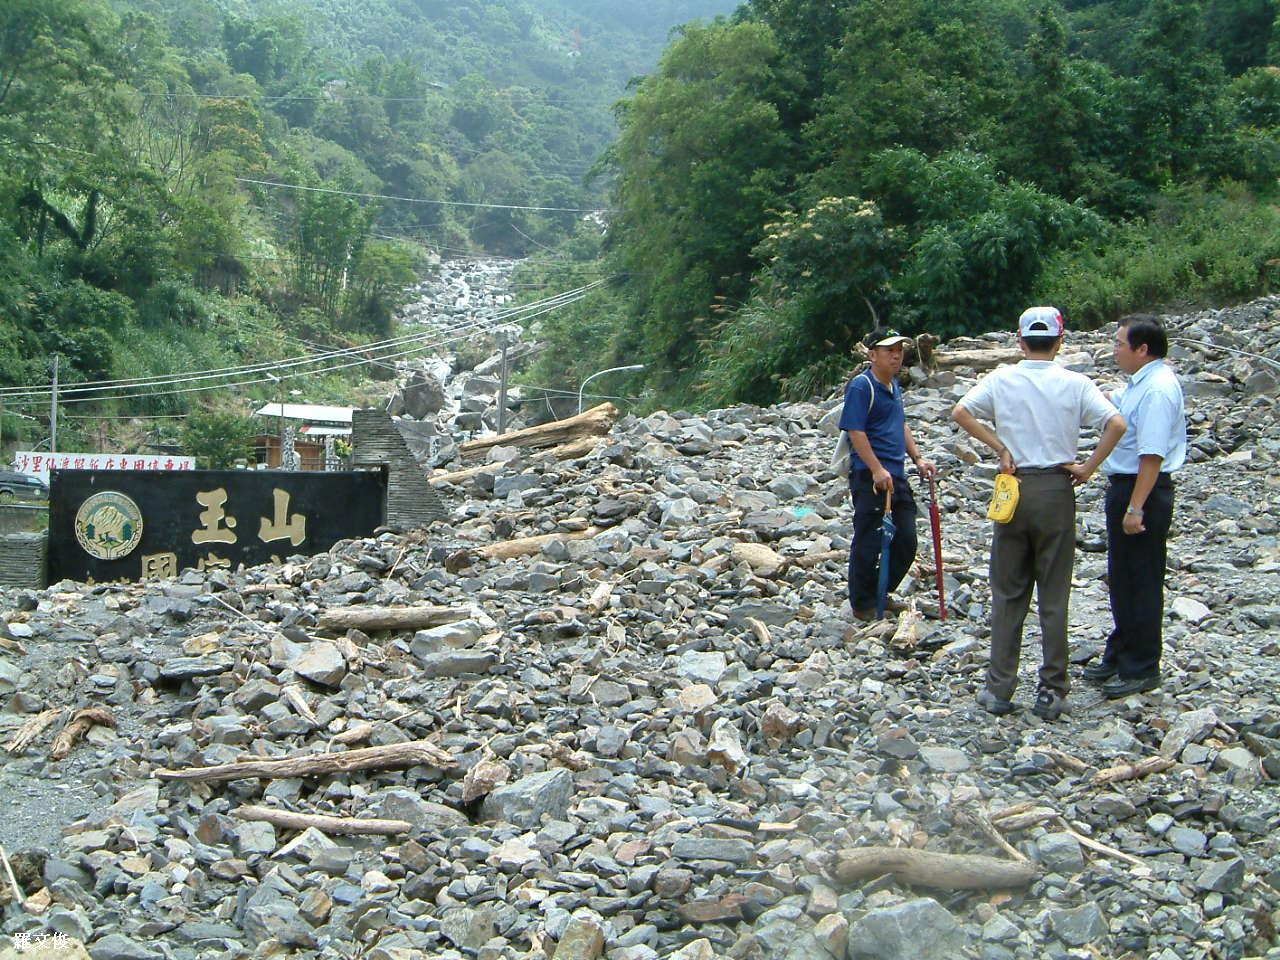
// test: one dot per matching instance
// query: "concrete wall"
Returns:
(411, 500)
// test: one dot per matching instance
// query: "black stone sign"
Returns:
(143, 525)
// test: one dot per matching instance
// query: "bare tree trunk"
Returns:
(395, 756)
(946, 871)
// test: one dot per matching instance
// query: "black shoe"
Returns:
(1099, 672)
(989, 702)
(866, 616)
(1048, 705)
(1118, 687)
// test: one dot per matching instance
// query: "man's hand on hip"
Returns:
(1080, 473)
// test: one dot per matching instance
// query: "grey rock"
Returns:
(255, 837)
(455, 663)
(713, 848)
(323, 663)
(1222, 876)
(1189, 609)
(999, 929)
(1186, 728)
(525, 802)
(945, 759)
(177, 669)
(699, 667)
(116, 946)
(1079, 926)
(423, 396)
(466, 928)
(916, 930)
(1060, 853)
(449, 636)
(10, 676)
(1243, 767)
(1187, 841)
(425, 815)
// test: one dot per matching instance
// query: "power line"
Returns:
(418, 346)
(97, 386)
(529, 97)
(442, 203)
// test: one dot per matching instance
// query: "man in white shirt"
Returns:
(1038, 408)
(1139, 507)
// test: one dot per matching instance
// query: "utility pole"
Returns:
(53, 409)
(503, 342)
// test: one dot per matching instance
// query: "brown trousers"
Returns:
(1036, 548)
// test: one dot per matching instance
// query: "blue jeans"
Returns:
(864, 552)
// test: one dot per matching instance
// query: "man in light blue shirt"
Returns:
(1139, 507)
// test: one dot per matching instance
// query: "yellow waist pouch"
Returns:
(1004, 499)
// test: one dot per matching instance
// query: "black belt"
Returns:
(1133, 477)
(1040, 471)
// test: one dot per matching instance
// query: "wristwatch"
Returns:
(1134, 510)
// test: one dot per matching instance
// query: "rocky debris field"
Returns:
(449, 395)
(655, 731)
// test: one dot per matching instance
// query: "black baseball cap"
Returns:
(883, 337)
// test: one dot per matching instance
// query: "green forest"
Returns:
(793, 173)
(197, 185)
(142, 236)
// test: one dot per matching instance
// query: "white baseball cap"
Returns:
(1041, 322)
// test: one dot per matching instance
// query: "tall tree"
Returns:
(1180, 116)
(700, 161)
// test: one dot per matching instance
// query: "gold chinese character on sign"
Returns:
(295, 530)
(213, 517)
(211, 562)
(157, 566)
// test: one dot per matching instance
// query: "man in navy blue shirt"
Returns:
(876, 424)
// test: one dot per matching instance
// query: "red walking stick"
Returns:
(935, 521)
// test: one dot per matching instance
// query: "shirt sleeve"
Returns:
(857, 399)
(1155, 419)
(980, 400)
(1096, 409)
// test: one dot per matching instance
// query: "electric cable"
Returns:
(223, 372)
(441, 203)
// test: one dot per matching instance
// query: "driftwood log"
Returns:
(924, 868)
(565, 451)
(983, 359)
(459, 476)
(1026, 815)
(528, 546)
(568, 451)
(18, 895)
(394, 756)
(370, 618)
(350, 826)
(590, 423)
(74, 731)
(1132, 771)
(815, 559)
(1063, 759)
(32, 729)
(1024, 819)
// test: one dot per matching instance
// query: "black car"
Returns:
(22, 485)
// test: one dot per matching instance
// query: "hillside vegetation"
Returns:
(791, 175)
(143, 230)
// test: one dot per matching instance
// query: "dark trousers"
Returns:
(864, 552)
(1135, 573)
(1037, 548)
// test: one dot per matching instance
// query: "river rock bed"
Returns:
(664, 724)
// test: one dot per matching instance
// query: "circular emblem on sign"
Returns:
(108, 525)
